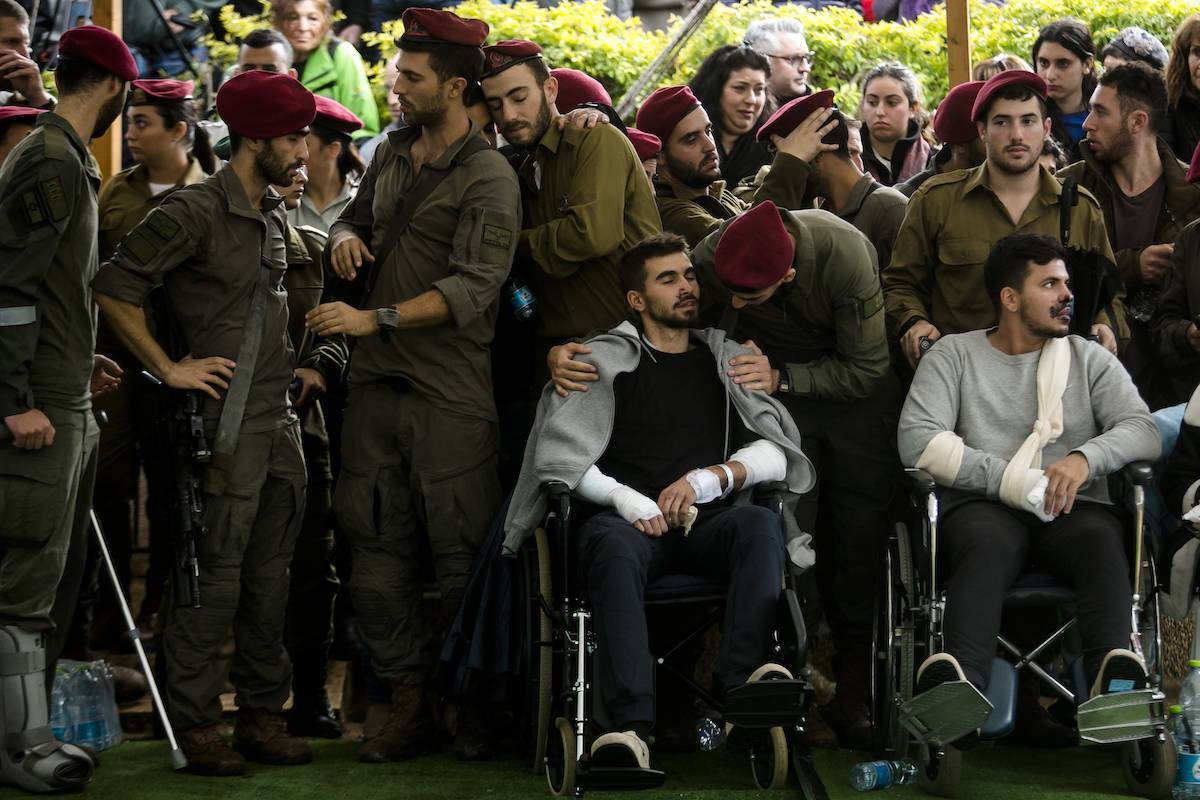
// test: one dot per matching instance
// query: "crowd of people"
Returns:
(342, 349)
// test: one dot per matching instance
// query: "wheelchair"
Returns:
(910, 607)
(563, 641)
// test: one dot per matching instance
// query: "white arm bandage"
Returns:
(705, 484)
(598, 488)
(764, 462)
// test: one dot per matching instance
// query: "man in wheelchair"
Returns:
(661, 445)
(986, 410)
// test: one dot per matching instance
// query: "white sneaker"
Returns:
(939, 668)
(621, 749)
(1122, 671)
(770, 672)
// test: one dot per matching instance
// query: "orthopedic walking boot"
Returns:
(263, 736)
(30, 756)
(207, 753)
(312, 715)
(407, 733)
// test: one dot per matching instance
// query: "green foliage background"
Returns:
(585, 36)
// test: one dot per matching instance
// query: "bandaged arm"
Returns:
(630, 504)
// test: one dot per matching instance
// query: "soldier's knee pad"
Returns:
(30, 756)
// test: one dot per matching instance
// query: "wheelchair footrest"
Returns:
(945, 713)
(617, 779)
(1121, 716)
(766, 704)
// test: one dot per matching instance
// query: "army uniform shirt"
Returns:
(205, 246)
(825, 327)
(126, 200)
(48, 221)
(586, 202)
(952, 222)
(459, 242)
(877, 211)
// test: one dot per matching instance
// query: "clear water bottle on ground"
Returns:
(871, 775)
(1187, 725)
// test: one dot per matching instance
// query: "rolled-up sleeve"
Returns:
(484, 241)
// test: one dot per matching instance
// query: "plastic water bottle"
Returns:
(871, 775)
(91, 724)
(520, 299)
(708, 734)
(1187, 780)
(62, 724)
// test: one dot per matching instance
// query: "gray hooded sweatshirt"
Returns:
(571, 433)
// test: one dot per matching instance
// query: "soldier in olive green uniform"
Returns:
(822, 332)
(584, 193)
(218, 250)
(48, 222)
(420, 436)
(934, 284)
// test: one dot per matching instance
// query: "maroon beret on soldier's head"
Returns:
(952, 121)
(1001, 81)
(646, 145)
(663, 109)
(576, 88)
(1193, 174)
(335, 116)
(157, 92)
(508, 53)
(264, 105)
(433, 25)
(19, 114)
(755, 251)
(792, 113)
(98, 46)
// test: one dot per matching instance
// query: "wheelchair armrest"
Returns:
(770, 491)
(555, 490)
(919, 480)
(1139, 473)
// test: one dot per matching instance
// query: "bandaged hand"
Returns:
(705, 484)
(1034, 494)
(633, 506)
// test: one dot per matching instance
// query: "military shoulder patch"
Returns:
(51, 191)
(496, 236)
(872, 305)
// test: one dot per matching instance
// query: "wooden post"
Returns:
(958, 41)
(107, 149)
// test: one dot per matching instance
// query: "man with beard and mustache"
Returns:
(1147, 201)
(420, 438)
(584, 193)
(967, 421)
(649, 460)
(48, 377)
(691, 197)
(217, 252)
(934, 284)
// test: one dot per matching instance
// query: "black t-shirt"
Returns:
(670, 419)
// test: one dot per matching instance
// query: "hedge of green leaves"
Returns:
(585, 36)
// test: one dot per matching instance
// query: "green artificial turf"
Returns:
(138, 771)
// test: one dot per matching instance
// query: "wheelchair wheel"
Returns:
(544, 660)
(892, 652)
(1149, 766)
(940, 772)
(769, 760)
(560, 759)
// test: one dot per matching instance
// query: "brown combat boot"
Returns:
(263, 737)
(207, 753)
(408, 731)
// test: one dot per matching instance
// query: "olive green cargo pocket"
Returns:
(33, 496)
(354, 502)
(459, 505)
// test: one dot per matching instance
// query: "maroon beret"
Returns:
(663, 109)
(99, 46)
(755, 251)
(576, 88)
(792, 113)
(158, 92)
(19, 114)
(263, 105)
(435, 25)
(1193, 170)
(953, 122)
(335, 116)
(646, 145)
(1001, 80)
(502, 55)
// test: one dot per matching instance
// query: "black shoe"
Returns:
(314, 717)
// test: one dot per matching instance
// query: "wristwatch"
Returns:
(388, 319)
(785, 382)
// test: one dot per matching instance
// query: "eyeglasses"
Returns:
(797, 61)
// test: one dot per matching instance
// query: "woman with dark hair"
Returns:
(1065, 56)
(894, 143)
(1183, 89)
(333, 167)
(731, 84)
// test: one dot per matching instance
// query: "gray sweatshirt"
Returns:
(989, 398)
(571, 433)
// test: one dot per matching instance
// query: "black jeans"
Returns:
(743, 545)
(986, 545)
